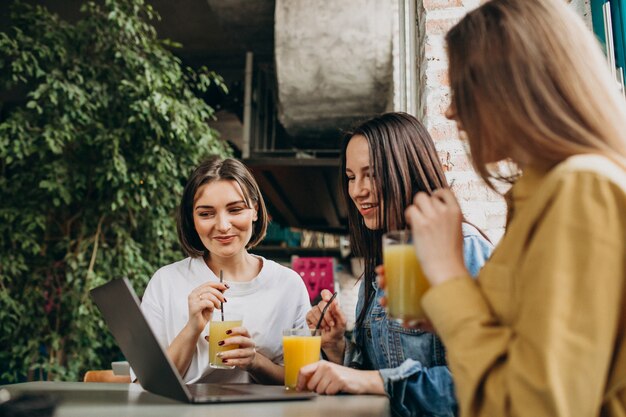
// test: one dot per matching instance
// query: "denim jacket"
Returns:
(411, 362)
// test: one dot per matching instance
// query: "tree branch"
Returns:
(94, 252)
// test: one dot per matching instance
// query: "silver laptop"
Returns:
(120, 308)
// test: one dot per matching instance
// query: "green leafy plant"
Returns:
(92, 164)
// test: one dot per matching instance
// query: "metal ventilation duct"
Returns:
(333, 63)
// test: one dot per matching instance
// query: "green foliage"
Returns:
(92, 166)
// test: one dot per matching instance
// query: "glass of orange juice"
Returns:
(300, 347)
(405, 281)
(217, 333)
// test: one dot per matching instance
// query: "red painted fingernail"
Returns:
(226, 285)
(228, 332)
(220, 343)
(225, 300)
(224, 360)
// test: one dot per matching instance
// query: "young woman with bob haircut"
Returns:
(221, 216)
(542, 332)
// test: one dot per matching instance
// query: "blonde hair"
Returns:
(528, 78)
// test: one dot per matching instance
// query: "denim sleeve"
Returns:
(419, 391)
(476, 251)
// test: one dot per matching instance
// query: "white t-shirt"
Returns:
(274, 300)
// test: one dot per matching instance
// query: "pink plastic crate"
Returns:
(317, 273)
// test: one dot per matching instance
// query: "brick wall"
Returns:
(480, 205)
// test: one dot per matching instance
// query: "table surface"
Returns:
(122, 400)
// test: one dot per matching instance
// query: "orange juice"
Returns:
(217, 333)
(299, 350)
(405, 282)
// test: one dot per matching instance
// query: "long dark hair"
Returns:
(404, 161)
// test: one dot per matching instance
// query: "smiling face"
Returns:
(361, 184)
(223, 218)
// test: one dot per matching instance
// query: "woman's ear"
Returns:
(256, 212)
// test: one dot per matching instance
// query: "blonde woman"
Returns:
(542, 332)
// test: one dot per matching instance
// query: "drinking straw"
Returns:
(221, 303)
(319, 323)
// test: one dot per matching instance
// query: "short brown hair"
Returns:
(215, 169)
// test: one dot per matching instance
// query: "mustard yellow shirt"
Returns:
(542, 332)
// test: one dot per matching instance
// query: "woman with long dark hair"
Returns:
(384, 162)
